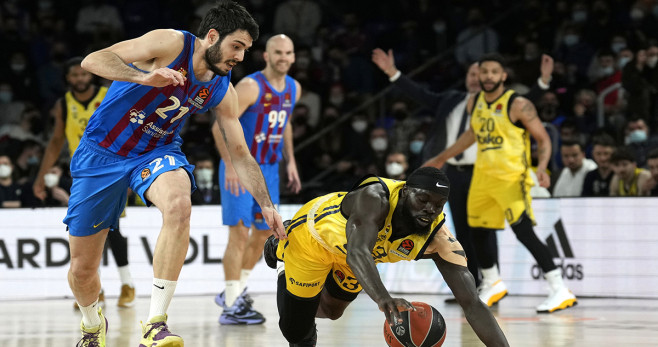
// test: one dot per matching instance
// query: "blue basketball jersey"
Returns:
(133, 119)
(264, 122)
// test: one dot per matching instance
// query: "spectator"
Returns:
(605, 74)
(11, 110)
(597, 182)
(58, 187)
(97, 16)
(637, 137)
(628, 180)
(207, 192)
(652, 163)
(379, 146)
(10, 192)
(298, 19)
(397, 166)
(404, 125)
(27, 163)
(637, 85)
(570, 181)
(21, 77)
(416, 143)
(476, 39)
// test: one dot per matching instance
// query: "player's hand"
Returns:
(273, 220)
(392, 307)
(39, 188)
(543, 179)
(384, 61)
(163, 77)
(547, 66)
(436, 162)
(232, 182)
(294, 184)
(60, 194)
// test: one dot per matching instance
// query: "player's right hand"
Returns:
(232, 182)
(274, 221)
(392, 307)
(163, 77)
(39, 188)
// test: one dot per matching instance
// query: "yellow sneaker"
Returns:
(94, 337)
(127, 297)
(157, 334)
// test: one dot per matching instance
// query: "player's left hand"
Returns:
(392, 307)
(273, 220)
(294, 184)
(543, 178)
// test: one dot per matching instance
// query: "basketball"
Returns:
(424, 327)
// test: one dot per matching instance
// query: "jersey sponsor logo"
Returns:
(497, 141)
(399, 254)
(146, 173)
(153, 130)
(378, 253)
(406, 246)
(137, 116)
(303, 284)
(340, 275)
(276, 138)
(260, 137)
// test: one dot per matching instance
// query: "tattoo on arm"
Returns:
(529, 112)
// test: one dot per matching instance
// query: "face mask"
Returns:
(18, 67)
(652, 62)
(5, 171)
(637, 14)
(379, 144)
(336, 99)
(571, 39)
(51, 179)
(623, 61)
(204, 176)
(579, 16)
(33, 160)
(416, 146)
(607, 71)
(618, 46)
(636, 136)
(394, 169)
(359, 126)
(6, 96)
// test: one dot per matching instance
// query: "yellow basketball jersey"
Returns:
(326, 224)
(503, 148)
(632, 190)
(77, 116)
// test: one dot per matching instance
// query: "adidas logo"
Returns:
(562, 239)
(560, 248)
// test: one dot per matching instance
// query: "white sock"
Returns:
(232, 292)
(491, 274)
(124, 275)
(90, 316)
(554, 278)
(161, 295)
(244, 276)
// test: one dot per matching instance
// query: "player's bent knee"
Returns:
(330, 311)
(178, 209)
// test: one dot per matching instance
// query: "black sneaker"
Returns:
(310, 341)
(269, 251)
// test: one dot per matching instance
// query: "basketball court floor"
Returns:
(594, 322)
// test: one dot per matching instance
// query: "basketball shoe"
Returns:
(156, 334)
(559, 297)
(491, 292)
(94, 337)
(220, 298)
(241, 313)
(127, 297)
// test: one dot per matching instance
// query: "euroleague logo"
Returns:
(201, 97)
(406, 246)
(340, 275)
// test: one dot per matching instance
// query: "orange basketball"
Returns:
(424, 327)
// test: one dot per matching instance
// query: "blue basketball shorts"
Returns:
(243, 207)
(101, 180)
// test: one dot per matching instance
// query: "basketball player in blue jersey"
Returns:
(266, 100)
(132, 141)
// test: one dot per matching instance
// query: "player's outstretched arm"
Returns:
(251, 177)
(450, 259)
(367, 209)
(156, 49)
(464, 141)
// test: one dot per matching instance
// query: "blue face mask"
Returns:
(416, 146)
(33, 160)
(637, 136)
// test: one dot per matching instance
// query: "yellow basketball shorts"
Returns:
(308, 264)
(491, 201)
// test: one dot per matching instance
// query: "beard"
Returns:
(412, 223)
(492, 88)
(214, 56)
(80, 87)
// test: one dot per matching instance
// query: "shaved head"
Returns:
(278, 40)
(279, 54)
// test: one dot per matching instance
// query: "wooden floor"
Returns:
(594, 322)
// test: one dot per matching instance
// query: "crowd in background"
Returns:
(595, 45)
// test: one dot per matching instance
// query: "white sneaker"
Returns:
(491, 293)
(558, 300)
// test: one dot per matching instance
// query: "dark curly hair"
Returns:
(227, 17)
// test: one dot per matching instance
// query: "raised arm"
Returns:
(152, 51)
(367, 211)
(523, 110)
(52, 151)
(450, 259)
(251, 177)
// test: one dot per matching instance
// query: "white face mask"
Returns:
(5, 171)
(379, 144)
(51, 179)
(652, 61)
(204, 176)
(394, 169)
(623, 61)
(359, 126)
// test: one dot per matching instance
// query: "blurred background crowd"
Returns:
(349, 122)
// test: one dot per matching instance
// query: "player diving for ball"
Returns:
(335, 241)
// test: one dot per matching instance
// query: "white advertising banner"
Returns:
(606, 247)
